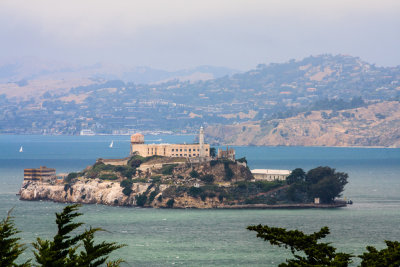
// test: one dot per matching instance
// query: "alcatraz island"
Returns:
(185, 176)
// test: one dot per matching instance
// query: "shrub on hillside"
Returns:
(207, 178)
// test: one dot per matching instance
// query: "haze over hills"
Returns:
(66, 105)
(26, 69)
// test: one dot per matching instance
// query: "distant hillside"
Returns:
(22, 71)
(373, 125)
(273, 91)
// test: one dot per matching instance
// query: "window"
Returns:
(190, 155)
(185, 149)
(181, 155)
(190, 149)
(181, 150)
(172, 150)
(206, 149)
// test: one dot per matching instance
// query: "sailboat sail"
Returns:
(21, 149)
(112, 144)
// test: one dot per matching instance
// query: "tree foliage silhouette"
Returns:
(62, 250)
(313, 253)
(10, 248)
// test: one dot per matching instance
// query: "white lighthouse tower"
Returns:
(201, 143)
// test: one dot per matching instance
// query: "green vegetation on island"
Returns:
(219, 183)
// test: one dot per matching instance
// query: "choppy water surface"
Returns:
(162, 237)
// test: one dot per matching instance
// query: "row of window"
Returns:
(190, 150)
(184, 155)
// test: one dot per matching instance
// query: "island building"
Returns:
(229, 153)
(196, 150)
(42, 174)
(270, 175)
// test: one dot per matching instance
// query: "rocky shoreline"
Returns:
(159, 182)
(110, 194)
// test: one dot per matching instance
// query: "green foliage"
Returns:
(242, 160)
(213, 152)
(156, 179)
(126, 183)
(141, 200)
(325, 183)
(71, 176)
(56, 252)
(10, 248)
(297, 175)
(213, 162)
(207, 178)
(168, 169)
(140, 180)
(258, 186)
(228, 172)
(125, 171)
(108, 176)
(152, 196)
(195, 191)
(94, 255)
(127, 191)
(170, 203)
(312, 252)
(159, 199)
(322, 182)
(66, 187)
(265, 186)
(389, 256)
(62, 250)
(97, 168)
(194, 174)
(135, 161)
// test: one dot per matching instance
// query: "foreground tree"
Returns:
(313, 253)
(389, 256)
(316, 254)
(62, 250)
(10, 248)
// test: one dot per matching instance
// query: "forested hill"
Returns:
(267, 92)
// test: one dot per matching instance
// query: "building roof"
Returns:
(269, 171)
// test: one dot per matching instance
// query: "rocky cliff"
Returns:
(374, 125)
(200, 185)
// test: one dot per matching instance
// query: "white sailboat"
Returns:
(21, 149)
(112, 144)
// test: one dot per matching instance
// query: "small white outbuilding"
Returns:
(270, 175)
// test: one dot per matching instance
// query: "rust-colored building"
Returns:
(42, 174)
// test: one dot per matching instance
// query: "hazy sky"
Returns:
(174, 34)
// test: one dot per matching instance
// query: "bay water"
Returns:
(165, 237)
